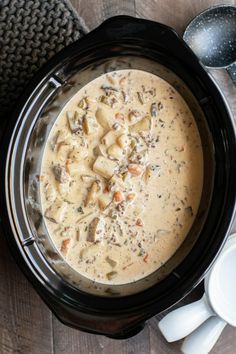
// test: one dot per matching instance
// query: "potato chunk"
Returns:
(109, 138)
(115, 151)
(90, 125)
(56, 211)
(78, 154)
(103, 201)
(123, 141)
(143, 125)
(75, 168)
(99, 150)
(104, 167)
(103, 117)
(96, 230)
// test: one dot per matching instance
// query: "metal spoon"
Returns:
(212, 37)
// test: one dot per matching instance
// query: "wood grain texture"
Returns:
(176, 14)
(26, 325)
(25, 321)
(96, 11)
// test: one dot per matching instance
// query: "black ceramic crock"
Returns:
(120, 42)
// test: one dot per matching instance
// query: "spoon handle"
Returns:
(184, 320)
(231, 69)
(202, 340)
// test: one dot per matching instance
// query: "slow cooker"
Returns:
(119, 43)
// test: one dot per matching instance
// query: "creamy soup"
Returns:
(121, 176)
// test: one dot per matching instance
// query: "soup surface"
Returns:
(121, 176)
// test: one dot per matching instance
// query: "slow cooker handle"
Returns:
(146, 31)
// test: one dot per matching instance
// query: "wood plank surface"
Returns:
(25, 321)
(26, 325)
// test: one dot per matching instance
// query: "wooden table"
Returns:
(26, 324)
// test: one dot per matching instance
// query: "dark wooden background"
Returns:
(26, 324)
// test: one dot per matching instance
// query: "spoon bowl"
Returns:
(212, 37)
(221, 286)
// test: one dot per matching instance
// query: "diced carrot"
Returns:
(139, 222)
(131, 196)
(106, 189)
(118, 197)
(64, 245)
(68, 161)
(145, 258)
(119, 116)
(135, 169)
